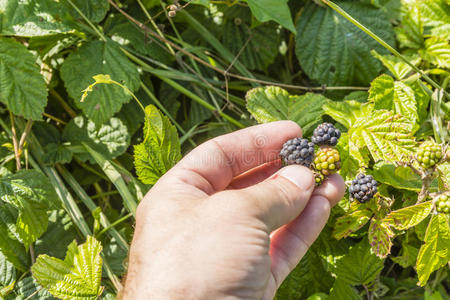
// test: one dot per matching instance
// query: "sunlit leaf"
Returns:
(272, 103)
(437, 51)
(435, 253)
(357, 216)
(380, 238)
(160, 149)
(408, 217)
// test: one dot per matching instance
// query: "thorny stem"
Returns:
(224, 72)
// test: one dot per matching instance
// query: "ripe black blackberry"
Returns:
(326, 134)
(297, 151)
(363, 188)
(443, 204)
(327, 161)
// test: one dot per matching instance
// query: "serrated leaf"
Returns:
(359, 266)
(436, 51)
(388, 94)
(410, 31)
(261, 48)
(408, 256)
(266, 10)
(95, 58)
(93, 10)
(10, 247)
(32, 18)
(32, 195)
(22, 87)
(347, 112)
(343, 291)
(435, 253)
(126, 34)
(79, 280)
(111, 139)
(396, 65)
(28, 287)
(333, 51)
(56, 154)
(349, 165)
(313, 275)
(408, 217)
(435, 15)
(160, 149)
(7, 271)
(386, 135)
(357, 216)
(272, 103)
(380, 238)
(397, 176)
(60, 233)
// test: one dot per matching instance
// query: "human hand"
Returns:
(226, 221)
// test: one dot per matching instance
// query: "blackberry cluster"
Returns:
(443, 204)
(363, 188)
(297, 151)
(327, 161)
(429, 154)
(326, 134)
(319, 178)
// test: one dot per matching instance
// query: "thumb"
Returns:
(282, 197)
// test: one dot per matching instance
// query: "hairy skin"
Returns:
(226, 221)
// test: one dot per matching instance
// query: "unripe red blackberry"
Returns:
(327, 161)
(443, 204)
(326, 134)
(428, 154)
(297, 151)
(363, 188)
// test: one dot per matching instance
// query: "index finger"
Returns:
(226, 156)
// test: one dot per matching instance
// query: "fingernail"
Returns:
(298, 175)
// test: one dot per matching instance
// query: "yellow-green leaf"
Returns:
(380, 238)
(408, 217)
(357, 216)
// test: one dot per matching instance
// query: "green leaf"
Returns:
(349, 165)
(396, 65)
(10, 247)
(435, 253)
(333, 51)
(408, 217)
(126, 34)
(388, 94)
(408, 256)
(32, 18)
(437, 51)
(261, 48)
(347, 112)
(435, 15)
(160, 149)
(309, 277)
(266, 10)
(399, 177)
(22, 87)
(410, 31)
(343, 291)
(272, 103)
(56, 154)
(60, 233)
(32, 195)
(79, 279)
(111, 139)
(380, 238)
(387, 136)
(28, 287)
(7, 272)
(93, 10)
(359, 266)
(95, 58)
(357, 216)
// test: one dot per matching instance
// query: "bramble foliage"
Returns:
(98, 99)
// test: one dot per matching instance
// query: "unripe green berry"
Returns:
(429, 154)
